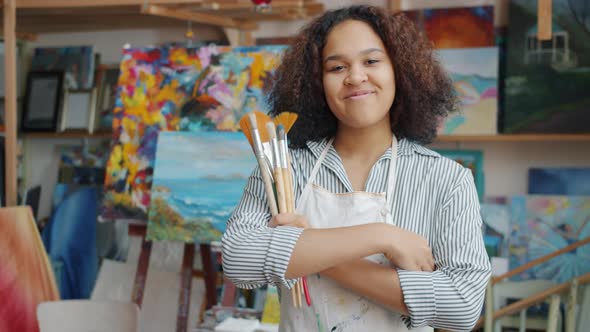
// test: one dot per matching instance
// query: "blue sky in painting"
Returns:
(481, 61)
(192, 155)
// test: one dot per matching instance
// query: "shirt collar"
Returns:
(405, 147)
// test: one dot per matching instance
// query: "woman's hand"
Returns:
(408, 250)
(289, 219)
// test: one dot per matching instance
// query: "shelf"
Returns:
(515, 138)
(69, 134)
(440, 139)
(42, 16)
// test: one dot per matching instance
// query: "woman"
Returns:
(387, 231)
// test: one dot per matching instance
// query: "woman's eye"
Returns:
(372, 62)
(336, 68)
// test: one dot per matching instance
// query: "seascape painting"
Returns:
(543, 224)
(171, 89)
(199, 179)
(474, 72)
(547, 80)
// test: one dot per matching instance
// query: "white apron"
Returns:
(334, 308)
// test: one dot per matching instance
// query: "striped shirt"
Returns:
(434, 197)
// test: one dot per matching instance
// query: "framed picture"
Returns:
(79, 110)
(107, 95)
(43, 100)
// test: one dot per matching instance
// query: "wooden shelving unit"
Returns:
(69, 134)
(440, 139)
(516, 138)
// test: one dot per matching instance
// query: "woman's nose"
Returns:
(355, 77)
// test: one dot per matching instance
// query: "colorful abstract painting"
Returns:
(547, 81)
(170, 89)
(559, 181)
(199, 179)
(456, 27)
(543, 224)
(26, 277)
(76, 61)
(496, 228)
(474, 72)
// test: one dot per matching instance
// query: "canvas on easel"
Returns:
(199, 179)
(177, 88)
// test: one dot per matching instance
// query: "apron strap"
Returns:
(318, 163)
(391, 177)
(314, 172)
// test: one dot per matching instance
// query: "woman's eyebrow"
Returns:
(363, 52)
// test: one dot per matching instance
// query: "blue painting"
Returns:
(474, 72)
(496, 228)
(542, 224)
(199, 178)
(559, 181)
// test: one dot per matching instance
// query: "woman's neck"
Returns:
(363, 144)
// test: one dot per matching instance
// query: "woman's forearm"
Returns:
(372, 280)
(319, 249)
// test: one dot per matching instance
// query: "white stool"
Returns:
(88, 316)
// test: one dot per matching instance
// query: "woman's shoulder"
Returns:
(443, 170)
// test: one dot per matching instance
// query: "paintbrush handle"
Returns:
(288, 190)
(294, 295)
(280, 185)
(270, 195)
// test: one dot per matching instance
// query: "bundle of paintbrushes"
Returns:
(268, 139)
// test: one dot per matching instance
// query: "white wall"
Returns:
(505, 165)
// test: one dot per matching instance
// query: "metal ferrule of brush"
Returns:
(283, 153)
(266, 166)
(274, 144)
(257, 143)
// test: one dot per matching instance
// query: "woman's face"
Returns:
(358, 75)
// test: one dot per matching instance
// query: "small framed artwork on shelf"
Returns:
(42, 102)
(107, 95)
(79, 110)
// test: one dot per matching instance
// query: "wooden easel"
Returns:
(209, 274)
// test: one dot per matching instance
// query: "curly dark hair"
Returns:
(424, 92)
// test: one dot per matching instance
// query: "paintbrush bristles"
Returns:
(287, 119)
(261, 120)
(245, 127)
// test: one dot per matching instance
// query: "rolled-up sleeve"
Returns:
(452, 296)
(253, 253)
